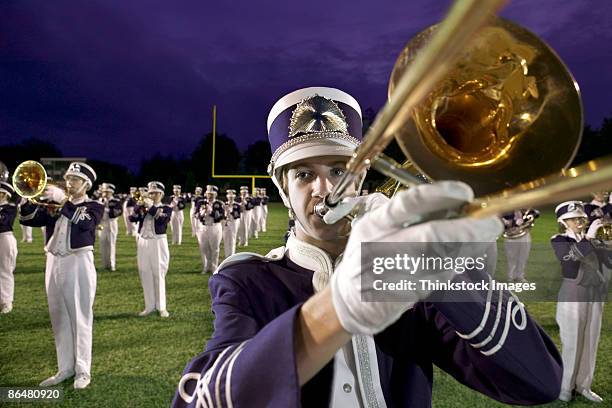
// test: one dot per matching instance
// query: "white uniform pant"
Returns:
(176, 225)
(108, 243)
(153, 259)
(8, 258)
(517, 255)
(130, 227)
(230, 228)
(26, 233)
(579, 328)
(209, 241)
(264, 218)
(71, 288)
(193, 221)
(260, 217)
(44, 235)
(243, 228)
(253, 223)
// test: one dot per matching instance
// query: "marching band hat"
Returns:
(133, 189)
(82, 170)
(176, 187)
(570, 209)
(230, 192)
(108, 187)
(198, 189)
(6, 188)
(155, 187)
(244, 188)
(212, 189)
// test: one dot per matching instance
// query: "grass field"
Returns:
(137, 362)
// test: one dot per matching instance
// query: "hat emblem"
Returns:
(571, 207)
(317, 114)
(75, 167)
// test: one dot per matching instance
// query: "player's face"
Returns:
(3, 196)
(156, 196)
(74, 185)
(576, 224)
(308, 183)
(599, 196)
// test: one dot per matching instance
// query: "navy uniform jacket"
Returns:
(571, 254)
(161, 215)
(514, 219)
(217, 211)
(235, 210)
(131, 202)
(256, 201)
(250, 359)
(180, 202)
(8, 212)
(594, 211)
(264, 200)
(83, 218)
(197, 202)
(248, 203)
(114, 208)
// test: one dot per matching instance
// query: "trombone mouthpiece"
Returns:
(321, 209)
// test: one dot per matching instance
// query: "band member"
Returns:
(301, 305)
(210, 214)
(599, 207)
(255, 214)
(230, 225)
(70, 276)
(244, 226)
(585, 266)
(196, 198)
(8, 247)
(128, 209)
(178, 218)
(517, 242)
(153, 255)
(264, 204)
(109, 225)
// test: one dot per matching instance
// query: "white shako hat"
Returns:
(82, 170)
(155, 187)
(311, 122)
(211, 189)
(570, 209)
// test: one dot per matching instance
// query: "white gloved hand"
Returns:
(357, 206)
(148, 203)
(54, 194)
(595, 225)
(386, 224)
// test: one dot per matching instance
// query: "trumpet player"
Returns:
(230, 225)
(210, 214)
(598, 208)
(585, 268)
(195, 203)
(70, 275)
(109, 226)
(517, 241)
(246, 207)
(8, 247)
(153, 256)
(178, 218)
(128, 209)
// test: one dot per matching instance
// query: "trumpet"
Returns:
(484, 101)
(30, 181)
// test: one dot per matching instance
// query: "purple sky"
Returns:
(121, 80)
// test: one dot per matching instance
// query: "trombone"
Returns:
(30, 181)
(482, 100)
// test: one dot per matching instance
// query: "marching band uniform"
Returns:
(70, 276)
(210, 214)
(193, 218)
(8, 248)
(598, 208)
(178, 218)
(264, 204)
(246, 207)
(256, 213)
(585, 268)
(257, 300)
(110, 227)
(518, 246)
(153, 255)
(128, 209)
(230, 225)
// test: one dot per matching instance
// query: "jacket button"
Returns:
(347, 387)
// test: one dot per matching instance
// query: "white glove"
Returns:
(54, 194)
(386, 224)
(357, 206)
(148, 203)
(595, 225)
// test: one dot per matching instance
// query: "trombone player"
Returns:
(110, 228)
(8, 247)
(517, 241)
(70, 275)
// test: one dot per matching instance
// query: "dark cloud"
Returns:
(119, 80)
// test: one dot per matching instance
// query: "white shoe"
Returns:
(164, 313)
(565, 396)
(145, 312)
(591, 396)
(57, 378)
(6, 308)
(81, 381)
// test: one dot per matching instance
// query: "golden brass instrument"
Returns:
(604, 233)
(520, 230)
(505, 115)
(30, 181)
